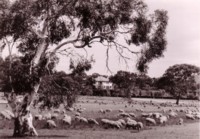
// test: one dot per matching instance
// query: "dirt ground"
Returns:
(185, 131)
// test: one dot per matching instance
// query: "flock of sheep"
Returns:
(136, 120)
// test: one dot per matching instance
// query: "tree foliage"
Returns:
(179, 79)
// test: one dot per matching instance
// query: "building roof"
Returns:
(102, 79)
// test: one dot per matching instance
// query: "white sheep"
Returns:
(5, 115)
(67, 119)
(163, 119)
(122, 121)
(130, 123)
(47, 116)
(10, 113)
(139, 126)
(92, 121)
(38, 117)
(190, 116)
(156, 115)
(108, 110)
(124, 114)
(172, 114)
(180, 121)
(54, 116)
(81, 119)
(77, 114)
(150, 121)
(121, 110)
(51, 123)
(132, 114)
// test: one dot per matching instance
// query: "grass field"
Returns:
(189, 130)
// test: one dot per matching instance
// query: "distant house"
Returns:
(103, 83)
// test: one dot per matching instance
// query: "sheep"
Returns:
(150, 121)
(47, 116)
(10, 113)
(172, 114)
(156, 115)
(139, 126)
(124, 114)
(54, 116)
(81, 119)
(112, 124)
(180, 121)
(67, 119)
(121, 121)
(131, 123)
(146, 114)
(121, 110)
(163, 119)
(5, 115)
(108, 110)
(77, 114)
(56, 111)
(197, 116)
(38, 117)
(92, 121)
(102, 111)
(190, 116)
(132, 114)
(51, 123)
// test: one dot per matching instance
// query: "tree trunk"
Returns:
(24, 125)
(23, 121)
(178, 98)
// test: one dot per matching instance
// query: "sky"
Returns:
(183, 37)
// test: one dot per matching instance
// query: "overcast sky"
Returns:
(183, 36)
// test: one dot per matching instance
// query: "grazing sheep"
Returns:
(110, 123)
(54, 116)
(56, 111)
(10, 113)
(92, 121)
(38, 117)
(150, 121)
(163, 119)
(108, 110)
(132, 114)
(146, 114)
(5, 115)
(190, 116)
(81, 119)
(51, 124)
(77, 114)
(122, 121)
(139, 126)
(180, 121)
(156, 115)
(47, 116)
(131, 123)
(124, 114)
(172, 114)
(102, 111)
(67, 119)
(121, 110)
(197, 116)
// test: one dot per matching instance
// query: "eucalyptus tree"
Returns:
(40, 29)
(179, 79)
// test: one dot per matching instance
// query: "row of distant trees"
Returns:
(178, 81)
